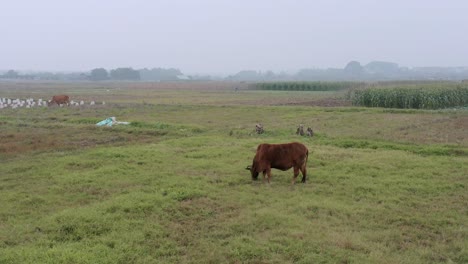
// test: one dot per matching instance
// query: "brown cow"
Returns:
(282, 157)
(59, 100)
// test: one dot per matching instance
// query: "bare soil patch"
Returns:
(328, 102)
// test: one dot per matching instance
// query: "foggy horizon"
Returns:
(225, 37)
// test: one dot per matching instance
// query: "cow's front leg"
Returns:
(268, 171)
(264, 175)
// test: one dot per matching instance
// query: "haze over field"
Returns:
(229, 36)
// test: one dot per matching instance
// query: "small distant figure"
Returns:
(300, 130)
(259, 128)
(59, 100)
(103, 103)
(92, 103)
(310, 133)
(236, 89)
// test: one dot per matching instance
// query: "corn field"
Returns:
(306, 86)
(429, 97)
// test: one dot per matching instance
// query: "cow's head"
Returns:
(253, 171)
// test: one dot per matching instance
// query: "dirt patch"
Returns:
(329, 102)
(462, 123)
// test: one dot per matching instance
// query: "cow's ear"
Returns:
(248, 167)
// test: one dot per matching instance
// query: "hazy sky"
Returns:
(227, 36)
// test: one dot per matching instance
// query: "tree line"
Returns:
(101, 74)
(353, 71)
(120, 74)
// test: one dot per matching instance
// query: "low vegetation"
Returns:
(416, 97)
(384, 186)
(306, 86)
(403, 94)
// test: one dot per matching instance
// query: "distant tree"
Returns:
(309, 75)
(99, 74)
(246, 75)
(83, 76)
(125, 74)
(354, 67)
(269, 75)
(11, 74)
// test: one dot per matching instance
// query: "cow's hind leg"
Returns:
(296, 172)
(304, 173)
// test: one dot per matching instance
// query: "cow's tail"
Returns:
(304, 166)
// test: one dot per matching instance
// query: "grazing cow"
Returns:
(59, 100)
(282, 157)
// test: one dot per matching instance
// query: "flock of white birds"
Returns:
(30, 103)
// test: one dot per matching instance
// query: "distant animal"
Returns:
(59, 100)
(300, 130)
(309, 132)
(259, 128)
(281, 157)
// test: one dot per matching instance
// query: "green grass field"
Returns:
(384, 185)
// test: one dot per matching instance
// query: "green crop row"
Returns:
(306, 86)
(415, 97)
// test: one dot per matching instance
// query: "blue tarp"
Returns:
(111, 121)
(106, 122)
